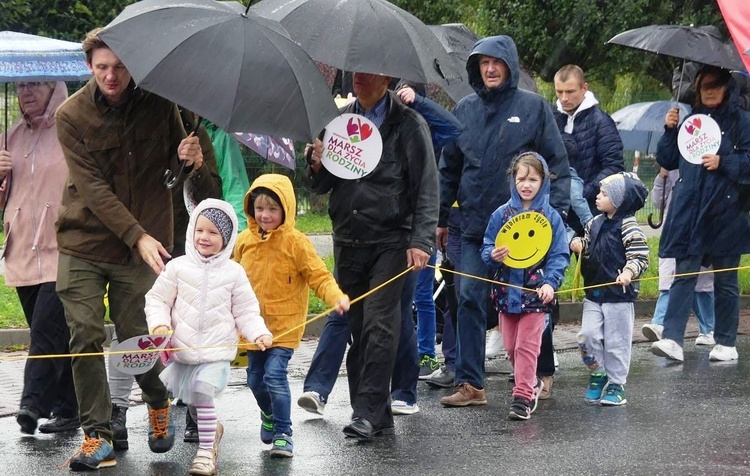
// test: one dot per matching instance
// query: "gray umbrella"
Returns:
(369, 36)
(239, 71)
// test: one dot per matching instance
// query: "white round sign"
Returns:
(698, 135)
(352, 146)
(143, 356)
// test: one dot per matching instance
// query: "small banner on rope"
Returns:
(143, 356)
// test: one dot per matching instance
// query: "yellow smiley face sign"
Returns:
(528, 237)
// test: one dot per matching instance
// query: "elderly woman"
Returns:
(706, 224)
(32, 176)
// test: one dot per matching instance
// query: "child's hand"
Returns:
(546, 293)
(264, 341)
(342, 305)
(576, 245)
(625, 277)
(161, 330)
(499, 254)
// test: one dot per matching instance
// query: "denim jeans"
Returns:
(578, 202)
(703, 308)
(726, 302)
(267, 378)
(425, 304)
(472, 316)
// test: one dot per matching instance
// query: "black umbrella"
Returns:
(368, 36)
(237, 70)
(699, 44)
(458, 40)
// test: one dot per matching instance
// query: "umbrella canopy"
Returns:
(239, 71)
(26, 57)
(641, 125)
(368, 36)
(458, 40)
(699, 44)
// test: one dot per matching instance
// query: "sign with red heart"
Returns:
(139, 353)
(352, 146)
(698, 135)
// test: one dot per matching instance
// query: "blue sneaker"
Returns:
(615, 395)
(282, 446)
(95, 453)
(597, 382)
(266, 428)
(160, 429)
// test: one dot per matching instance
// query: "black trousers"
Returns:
(47, 383)
(545, 363)
(375, 325)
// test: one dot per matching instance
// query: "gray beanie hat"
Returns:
(614, 186)
(222, 221)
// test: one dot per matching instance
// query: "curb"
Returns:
(570, 312)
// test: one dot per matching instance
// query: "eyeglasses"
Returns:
(29, 86)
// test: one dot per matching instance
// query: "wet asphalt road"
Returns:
(690, 418)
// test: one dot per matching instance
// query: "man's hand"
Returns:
(151, 252)
(160, 330)
(417, 258)
(6, 163)
(499, 254)
(317, 154)
(406, 94)
(190, 151)
(672, 118)
(442, 238)
(711, 161)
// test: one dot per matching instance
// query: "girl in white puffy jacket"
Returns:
(205, 299)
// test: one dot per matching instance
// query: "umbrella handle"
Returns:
(170, 179)
(661, 210)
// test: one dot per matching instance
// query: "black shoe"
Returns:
(58, 424)
(118, 425)
(27, 418)
(445, 379)
(362, 428)
(191, 429)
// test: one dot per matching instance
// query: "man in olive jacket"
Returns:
(382, 223)
(114, 228)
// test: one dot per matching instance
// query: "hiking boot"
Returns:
(669, 349)
(494, 345)
(312, 402)
(400, 407)
(191, 429)
(428, 367)
(27, 419)
(705, 339)
(519, 409)
(652, 332)
(465, 395)
(95, 453)
(597, 382)
(160, 430)
(723, 353)
(266, 428)
(58, 424)
(118, 425)
(282, 446)
(204, 463)
(614, 396)
(547, 388)
(536, 390)
(444, 379)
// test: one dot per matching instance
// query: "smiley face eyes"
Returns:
(531, 233)
(517, 235)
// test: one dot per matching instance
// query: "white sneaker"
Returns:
(494, 344)
(668, 348)
(312, 402)
(705, 339)
(723, 353)
(400, 407)
(652, 332)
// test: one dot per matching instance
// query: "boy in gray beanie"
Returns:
(614, 250)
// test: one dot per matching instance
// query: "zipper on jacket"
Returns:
(204, 295)
(34, 246)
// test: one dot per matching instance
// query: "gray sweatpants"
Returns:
(606, 338)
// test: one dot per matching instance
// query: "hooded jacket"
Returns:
(612, 245)
(30, 196)
(396, 204)
(499, 124)
(550, 270)
(599, 144)
(705, 216)
(282, 264)
(206, 301)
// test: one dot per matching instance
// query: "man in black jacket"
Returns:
(382, 223)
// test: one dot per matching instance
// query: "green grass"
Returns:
(314, 223)
(317, 305)
(11, 314)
